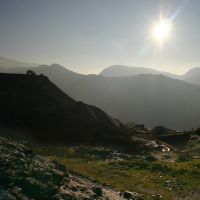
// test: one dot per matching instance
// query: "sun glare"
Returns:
(162, 30)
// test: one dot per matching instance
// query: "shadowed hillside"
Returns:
(149, 99)
(33, 104)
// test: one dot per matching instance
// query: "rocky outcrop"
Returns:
(81, 189)
(27, 176)
(34, 105)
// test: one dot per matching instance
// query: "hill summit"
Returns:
(31, 103)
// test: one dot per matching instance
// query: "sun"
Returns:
(162, 30)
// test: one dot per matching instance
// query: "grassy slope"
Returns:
(170, 180)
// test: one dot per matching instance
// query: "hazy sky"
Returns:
(89, 35)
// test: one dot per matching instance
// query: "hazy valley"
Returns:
(55, 147)
(150, 99)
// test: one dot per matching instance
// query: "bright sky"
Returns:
(89, 35)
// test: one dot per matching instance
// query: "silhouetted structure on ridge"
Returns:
(30, 72)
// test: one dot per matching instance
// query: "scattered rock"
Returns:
(97, 191)
(128, 195)
(27, 176)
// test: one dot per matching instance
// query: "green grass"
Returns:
(171, 180)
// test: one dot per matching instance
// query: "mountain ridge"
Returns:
(6, 63)
(126, 98)
(191, 76)
(122, 70)
(31, 103)
(152, 100)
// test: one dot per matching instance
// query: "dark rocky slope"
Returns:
(25, 175)
(34, 105)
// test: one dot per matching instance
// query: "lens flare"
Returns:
(162, 30)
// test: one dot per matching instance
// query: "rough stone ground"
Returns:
(83, 189)
(27, 176)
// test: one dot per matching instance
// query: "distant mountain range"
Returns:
(6, 64)
(192, 76)
(150, 99)
(121, 71)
